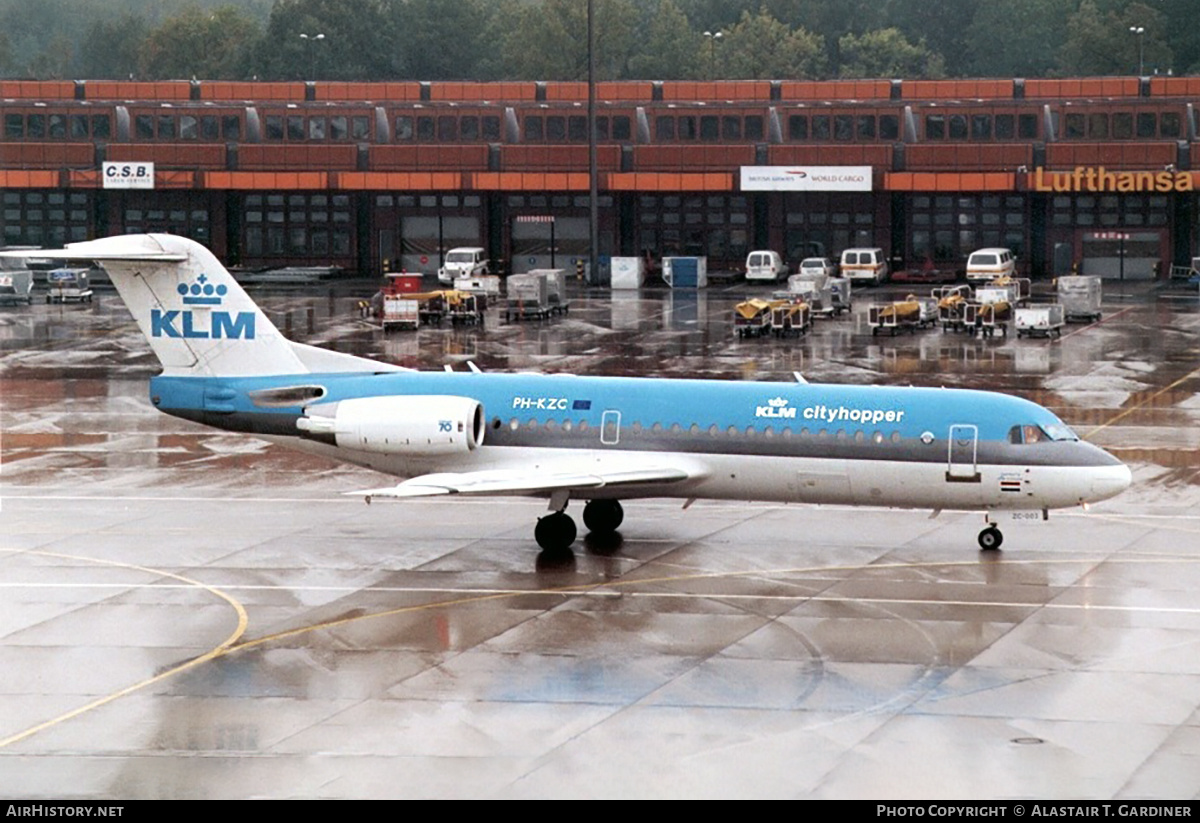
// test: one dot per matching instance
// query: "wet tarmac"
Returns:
(191, 614)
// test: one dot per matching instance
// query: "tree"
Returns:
(760, 47)
(669, 49)
(887, 53)
(198, 43)
(1100, 42)
(942, 24)
(361, 41)
(831, 19)
(112, 48)
(549, 41)
(448, 38)
(1016, 38)
(43, 36)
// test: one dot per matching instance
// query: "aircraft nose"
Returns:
(1109, 481)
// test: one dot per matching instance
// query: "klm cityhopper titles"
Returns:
(595, 439)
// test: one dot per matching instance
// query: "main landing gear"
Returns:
(556, 531)
(990, 539)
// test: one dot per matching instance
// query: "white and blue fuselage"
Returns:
(782, 442)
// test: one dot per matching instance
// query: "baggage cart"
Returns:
(556, 290)
(486, 284)
(752, 318)
(400, 312)
(991, 317)
(951, 305)
(528, 297)
(16, 284)
(67, 285)
(1080, 297)
(790, 317)
(901, 315)
(815, 291)
(628, 272)
(685, 272)
(1040, 321)
(840, 295)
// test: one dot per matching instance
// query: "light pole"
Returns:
(1140, 31)
(713, 39)
(312, 55)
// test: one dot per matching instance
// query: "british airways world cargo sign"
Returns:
(128, 175)
(806, 178)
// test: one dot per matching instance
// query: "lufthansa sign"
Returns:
(1100, 179)
(806, 178)
(128, 175)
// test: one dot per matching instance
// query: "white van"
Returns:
(467, 261)
(764, 265)
(865, 265)
(986, 265)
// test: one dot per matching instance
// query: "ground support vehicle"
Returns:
(1080, 297)
(817, 266)
(69, 285)
(868, 265)
(465, 308)
(400, 312)
(1040, 321)
(464, 261)
(528, 297)
(752, 318)
(790, 316)
(764, 265)
(16, 285)
(986, 265)
(431, 307)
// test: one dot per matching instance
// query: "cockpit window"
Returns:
(1030, 433)
(1059, 431)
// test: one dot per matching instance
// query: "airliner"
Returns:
(597, 440)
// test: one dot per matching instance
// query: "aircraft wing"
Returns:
(516, 481)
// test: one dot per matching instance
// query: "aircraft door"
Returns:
(962, 464)
(610, 428)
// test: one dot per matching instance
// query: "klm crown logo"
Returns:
(202, 292)
(205, 324)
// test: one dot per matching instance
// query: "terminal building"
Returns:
(1094, 174)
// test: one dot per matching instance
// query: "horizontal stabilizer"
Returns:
(131, 247)
(521, 482)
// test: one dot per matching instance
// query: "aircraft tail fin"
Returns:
(198, 319)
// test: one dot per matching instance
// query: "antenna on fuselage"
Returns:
(799, 377)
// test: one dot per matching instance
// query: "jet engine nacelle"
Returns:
(402, 424)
